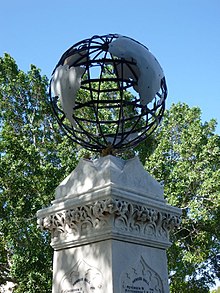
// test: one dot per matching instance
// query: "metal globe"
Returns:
(108, 93)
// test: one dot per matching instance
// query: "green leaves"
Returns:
(183, 154)
(186, 159)
(30, 170)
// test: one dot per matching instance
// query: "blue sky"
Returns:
(184, 35)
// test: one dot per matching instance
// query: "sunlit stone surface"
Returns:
(110, 229)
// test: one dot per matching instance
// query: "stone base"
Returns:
(110, 229)
(110, 266)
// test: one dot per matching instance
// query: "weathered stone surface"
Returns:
(110, 266)
(128, 175)
(110, 229)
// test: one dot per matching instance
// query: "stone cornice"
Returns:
(110, 218)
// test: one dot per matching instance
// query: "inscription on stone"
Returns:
(83, 278)
(140, 278)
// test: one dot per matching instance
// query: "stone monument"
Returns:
(109, 221)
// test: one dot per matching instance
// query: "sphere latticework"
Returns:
(103, 109)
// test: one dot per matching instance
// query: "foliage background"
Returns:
(183, 154)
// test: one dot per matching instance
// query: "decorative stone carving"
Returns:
(109, 212)
(122, 216)
(140, 278)
(82, 278)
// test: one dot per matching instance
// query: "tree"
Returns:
(32, 165)
(186, 160)
(35, 157)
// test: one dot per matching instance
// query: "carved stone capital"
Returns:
(110, 216)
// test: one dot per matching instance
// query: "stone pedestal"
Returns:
(110, 229)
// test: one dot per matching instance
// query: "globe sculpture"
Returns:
(108, 93)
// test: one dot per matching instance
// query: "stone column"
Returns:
(110, 229)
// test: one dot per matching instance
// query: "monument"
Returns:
(109, 221)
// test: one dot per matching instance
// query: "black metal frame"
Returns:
(93, 54)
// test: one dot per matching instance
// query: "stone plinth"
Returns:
(110, 229)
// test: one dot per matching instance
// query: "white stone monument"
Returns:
(109, 221)
(110, 229)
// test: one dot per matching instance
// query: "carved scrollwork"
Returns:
(119, 214)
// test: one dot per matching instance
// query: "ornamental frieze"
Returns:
(120, 215)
